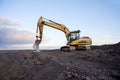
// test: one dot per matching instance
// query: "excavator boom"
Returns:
(52, 24)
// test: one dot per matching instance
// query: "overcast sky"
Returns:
(98, 19)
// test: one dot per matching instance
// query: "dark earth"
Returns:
(99, 63)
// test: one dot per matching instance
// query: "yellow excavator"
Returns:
(74, 41)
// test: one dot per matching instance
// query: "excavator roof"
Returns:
(78, 31)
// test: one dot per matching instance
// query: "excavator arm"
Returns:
(39, 32)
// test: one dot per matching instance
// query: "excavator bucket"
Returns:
(36, 45)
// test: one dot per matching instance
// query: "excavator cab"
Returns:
(74, 35)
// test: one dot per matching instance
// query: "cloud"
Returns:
(10, 36)
(4, 21)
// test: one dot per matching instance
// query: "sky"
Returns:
(98, 19)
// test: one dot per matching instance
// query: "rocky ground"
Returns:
(99, 63)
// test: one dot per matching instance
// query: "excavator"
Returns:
(74, 41)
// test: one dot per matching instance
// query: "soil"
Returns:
(99, 63)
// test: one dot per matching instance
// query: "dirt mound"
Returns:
(100, 63)
(107, 46)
